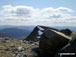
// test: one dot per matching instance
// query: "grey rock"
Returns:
(32, 54)
(6, 49)
(20, 48)
(24, 55)
(12, 45)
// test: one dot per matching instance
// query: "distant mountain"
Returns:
(21, 32)
(30, 28)
(14, 33)
(3, 35)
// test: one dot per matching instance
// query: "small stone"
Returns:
(12, 45)
(6, 49)
(32, 54)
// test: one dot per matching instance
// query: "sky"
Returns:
(38, 12)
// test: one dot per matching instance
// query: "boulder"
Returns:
(6, 49)
(20, 48)
(69, 48)
(32, 54)
(73, 35)
(51, 41)
(12, 45)
(66, 31)
(35, 52)
(24, 55)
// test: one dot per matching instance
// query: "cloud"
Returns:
(20, 11)
(25, 15)
(61, 9)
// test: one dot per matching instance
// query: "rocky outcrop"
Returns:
(68, 51)
(51, 41)
(35, 35)
(66, 31)
(37, 32)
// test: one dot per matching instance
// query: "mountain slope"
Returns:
(15, 33)
(30, 28)
(3, 35)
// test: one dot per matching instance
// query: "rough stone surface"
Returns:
(15, 48)
(66, 31)
(69, 48)
(51, 41)
(35, 35)
(42, 42)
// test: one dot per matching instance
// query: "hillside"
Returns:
(14, 33)
(3, 35)
(30, 28)
(20, 32)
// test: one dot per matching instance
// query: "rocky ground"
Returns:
(52, 43)
(15, 48)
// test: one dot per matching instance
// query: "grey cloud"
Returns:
(23, 12)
